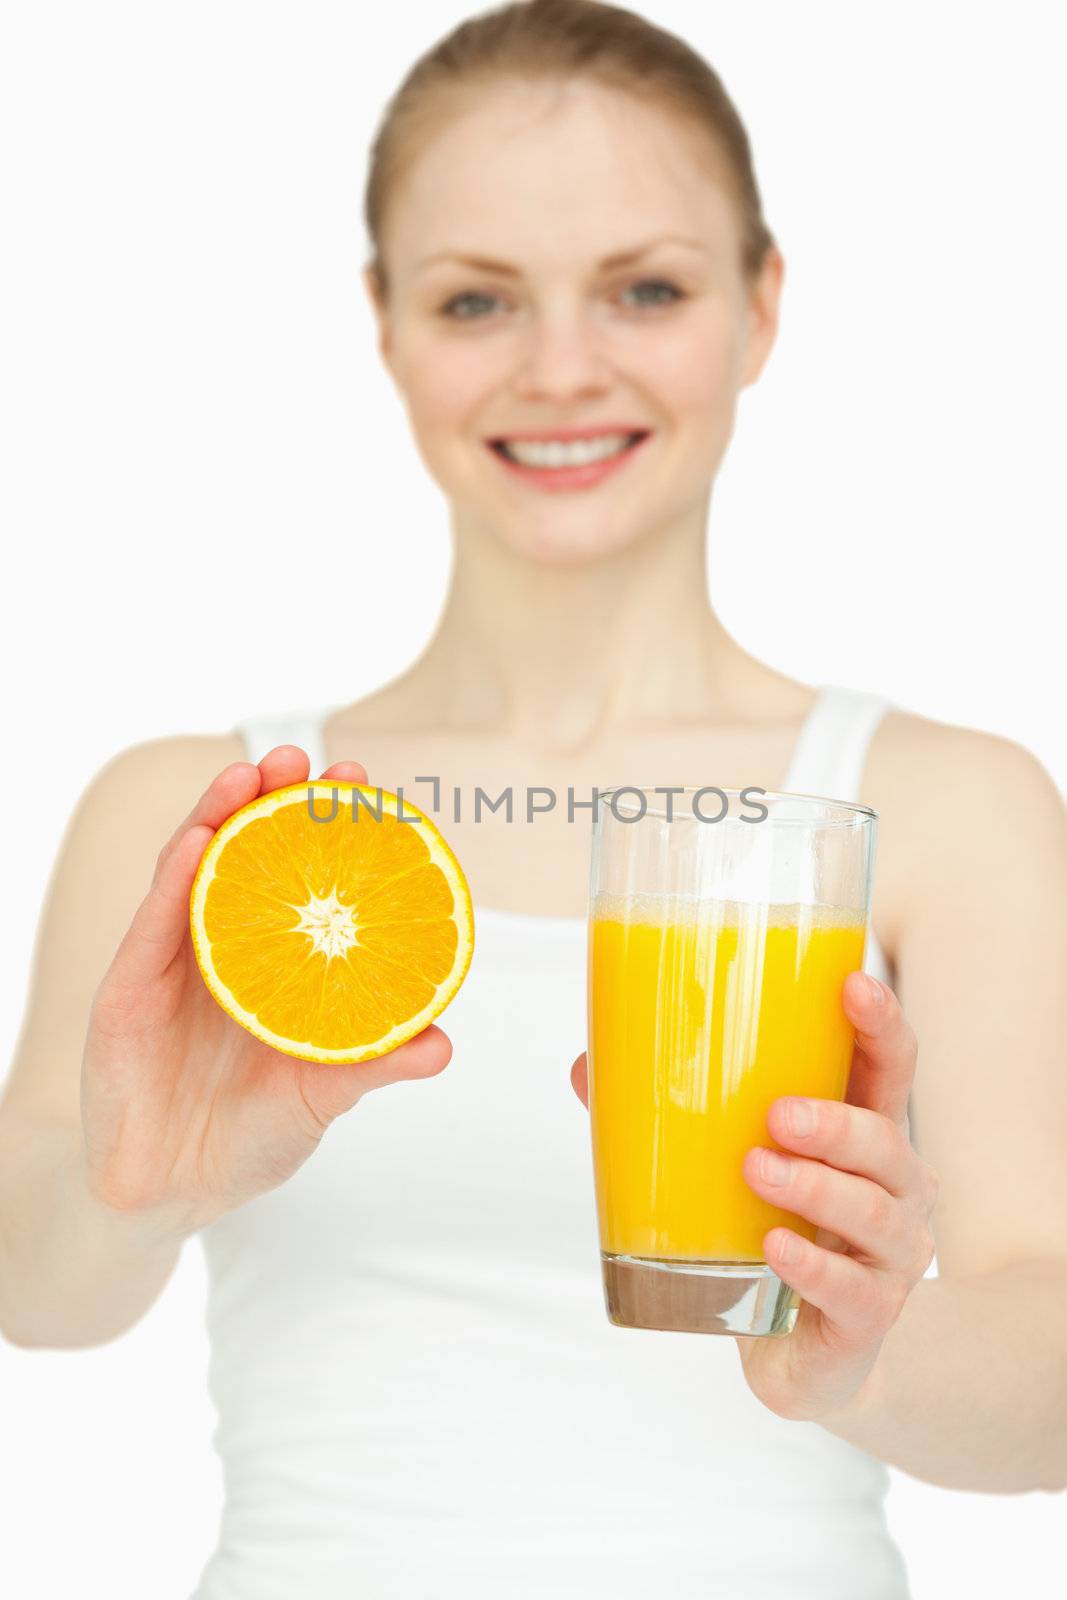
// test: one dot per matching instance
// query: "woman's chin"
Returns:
(557, 530)
(559, 541)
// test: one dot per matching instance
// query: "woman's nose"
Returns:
(561, 360)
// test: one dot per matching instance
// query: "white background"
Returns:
(213, 509)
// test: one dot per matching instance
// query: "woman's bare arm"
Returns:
(970, 1387)
(74, 1271)
(138, 1111)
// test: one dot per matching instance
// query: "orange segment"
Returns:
(329, 930)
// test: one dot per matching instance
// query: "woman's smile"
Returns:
(568, 458)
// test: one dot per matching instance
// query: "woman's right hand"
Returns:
(186, 1114)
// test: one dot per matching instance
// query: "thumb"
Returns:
(161, 921)
(886, 1049)
(580, 1079)
(332, 1090)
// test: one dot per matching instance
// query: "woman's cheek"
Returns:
(696, 387)
(449, 410)
(448, 379)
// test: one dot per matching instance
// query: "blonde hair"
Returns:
(559, 40)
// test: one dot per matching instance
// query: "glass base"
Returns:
(738, 1297)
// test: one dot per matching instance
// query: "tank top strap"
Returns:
(302, 727)
(829, 759)
(831, 752)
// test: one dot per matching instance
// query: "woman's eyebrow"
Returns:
(505, 269)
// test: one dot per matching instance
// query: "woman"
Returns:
(418, 1391)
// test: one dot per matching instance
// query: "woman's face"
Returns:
(567, 321)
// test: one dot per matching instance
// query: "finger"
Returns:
(886, 1050)
(351, 771)
(881, 1228)
(860, 1302)
(848, 1137)
(580, 1079)
(161, 921)
(332, 1090)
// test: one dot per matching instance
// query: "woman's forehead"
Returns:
(574, 169)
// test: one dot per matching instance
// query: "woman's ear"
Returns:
(764, 298)
(376, 295)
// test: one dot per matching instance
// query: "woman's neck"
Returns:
(560, 656)
(556, 655)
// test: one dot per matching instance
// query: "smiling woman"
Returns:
(584, 332)
(417, 1390)
(524, 116)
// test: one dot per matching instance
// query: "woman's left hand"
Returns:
(853, 1173)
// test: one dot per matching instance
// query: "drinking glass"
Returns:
(722, 926)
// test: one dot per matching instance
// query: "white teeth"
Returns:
(573, 453)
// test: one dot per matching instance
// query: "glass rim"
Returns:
(856, 811)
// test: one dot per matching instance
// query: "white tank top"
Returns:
(419, 1394)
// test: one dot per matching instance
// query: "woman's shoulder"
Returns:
(145, 789)
(951, 799)
(926, 760)
(167, 763)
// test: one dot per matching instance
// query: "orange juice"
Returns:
(701, 1015)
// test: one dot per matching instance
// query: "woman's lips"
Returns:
(585, 476)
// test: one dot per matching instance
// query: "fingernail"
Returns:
(775, 1168)
(800, 1116)
(875, 990)
(787, 1247)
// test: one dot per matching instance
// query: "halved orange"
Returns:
(332, 927)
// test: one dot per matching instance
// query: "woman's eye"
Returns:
(652, 292)
(468, 305)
